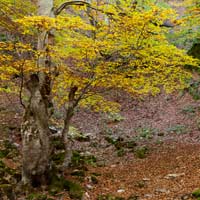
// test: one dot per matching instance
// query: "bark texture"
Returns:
(68, 116)
(35, 136)
(35, 128)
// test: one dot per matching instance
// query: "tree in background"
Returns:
(73, 58)
(186, 33)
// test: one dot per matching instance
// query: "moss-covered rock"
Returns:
(75, 190)
(80, 159)
(58, 184)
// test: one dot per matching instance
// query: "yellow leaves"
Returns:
(97, 103)
(44, 23)
(125, 50)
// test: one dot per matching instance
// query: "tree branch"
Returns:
(64, 5)
(79, 3)
(21, 86)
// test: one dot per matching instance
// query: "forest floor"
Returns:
(150, 151)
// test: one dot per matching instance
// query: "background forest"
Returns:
(99, 99)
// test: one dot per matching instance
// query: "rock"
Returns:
(148, 195)
(146, 179)
(120, 190)
(186, 197)
(88, 186)
(162, 190)
(53, 129)
(74, 133)
(172, 176)
(92, 136)
(86, 196)
(77, 172)
(16, 145)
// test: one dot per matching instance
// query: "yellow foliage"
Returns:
(115, 48)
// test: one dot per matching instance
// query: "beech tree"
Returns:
(71, 58)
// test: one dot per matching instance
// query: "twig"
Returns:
(21, 86)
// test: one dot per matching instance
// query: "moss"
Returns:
(36, 196)
(178, 129)
(133, 197)
(195, 50)
(141, 152)
(79, 160)
(7, 190)
(94, 179)
(114, 117)
(58, 184)
(121, 152)
(2, 186)
(131, 144)
(3, 153)
(78, 173)
(196, 193)
(58, 158)
(58, 144)
(75, 190)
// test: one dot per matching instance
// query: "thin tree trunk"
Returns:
(65, 133)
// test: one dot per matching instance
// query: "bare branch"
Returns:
(70, 3)
(78, 3)
(21, 86)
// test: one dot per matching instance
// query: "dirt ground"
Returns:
(168, 125)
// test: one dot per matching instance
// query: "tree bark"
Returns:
(35, 128)
(65, 133)
(35, 136)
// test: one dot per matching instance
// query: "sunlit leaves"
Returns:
(115, 46)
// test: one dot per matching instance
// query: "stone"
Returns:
(162, 190)
(146, 179)
(172, 176)
(120, 190)
(148, 195)
(88, 186)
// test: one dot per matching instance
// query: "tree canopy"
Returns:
(98, 48)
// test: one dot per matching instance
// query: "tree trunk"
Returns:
(65, 133)
(35, 128)
(35, 136)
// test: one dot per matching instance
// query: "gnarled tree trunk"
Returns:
(35, 136)
(35, 128)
